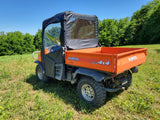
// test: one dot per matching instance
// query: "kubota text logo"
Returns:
(73, 58)
(132, 58)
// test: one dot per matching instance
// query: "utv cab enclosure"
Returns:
(71, 52)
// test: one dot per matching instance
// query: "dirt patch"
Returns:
(32, 92)
(3, 91)
(156, 106)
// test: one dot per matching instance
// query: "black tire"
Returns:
(98, 98)
(40, 75)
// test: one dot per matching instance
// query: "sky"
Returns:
(27, 16)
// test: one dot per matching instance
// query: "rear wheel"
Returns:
(91, 91)
(40, 75)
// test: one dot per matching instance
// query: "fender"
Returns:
(96, 75)
(40, 64)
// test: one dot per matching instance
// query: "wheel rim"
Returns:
(87, 92)
(39, 73)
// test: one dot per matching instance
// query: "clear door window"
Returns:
(52, 34)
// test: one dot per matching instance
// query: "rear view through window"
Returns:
(82, 29)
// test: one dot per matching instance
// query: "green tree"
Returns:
(122, 27)
(15, 43)
(112, 32)
(3, 43)
(108, 32)
(150, 32)
(28, 45)
(129, 35)
(146, 19)
(38, 40)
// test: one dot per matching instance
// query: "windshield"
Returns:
(82, 29)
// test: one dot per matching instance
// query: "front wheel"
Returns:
(40, 75)
(91, 91)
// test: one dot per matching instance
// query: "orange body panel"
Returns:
(39, 54)
(110, 59)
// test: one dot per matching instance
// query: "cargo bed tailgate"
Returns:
(127, 60)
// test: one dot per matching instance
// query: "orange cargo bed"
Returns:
(109, 59)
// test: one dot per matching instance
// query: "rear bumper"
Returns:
(115, 89)
(123, 86)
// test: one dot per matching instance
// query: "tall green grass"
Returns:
(21, 97)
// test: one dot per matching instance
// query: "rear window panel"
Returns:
(82, 29)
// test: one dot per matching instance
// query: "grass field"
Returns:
(21, 97)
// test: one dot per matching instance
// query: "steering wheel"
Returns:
(54, 49)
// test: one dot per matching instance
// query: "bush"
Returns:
(16, 43)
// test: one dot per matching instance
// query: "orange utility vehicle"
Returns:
(71, 52)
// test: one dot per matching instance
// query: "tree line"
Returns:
(142, 28)
(17, 43)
